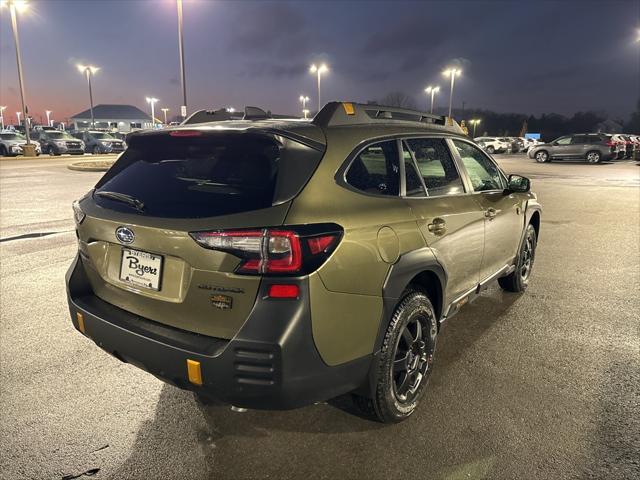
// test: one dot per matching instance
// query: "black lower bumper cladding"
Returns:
(271, 363)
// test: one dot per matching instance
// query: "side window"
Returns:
(413, 184)
(564, 141)
(375, 170)
(483, 173)
(579, 140)
(436, 167)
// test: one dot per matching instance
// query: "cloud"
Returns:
(269, 29)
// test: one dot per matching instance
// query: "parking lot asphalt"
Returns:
(540, 385)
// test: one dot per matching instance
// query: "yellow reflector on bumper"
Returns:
(194, 372)
(348, 108)
(80, 319)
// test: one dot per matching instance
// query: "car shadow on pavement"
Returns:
(188, 440)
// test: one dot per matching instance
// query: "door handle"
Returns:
(438, 226)
(490, 213)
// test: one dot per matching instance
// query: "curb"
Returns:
(91, 166)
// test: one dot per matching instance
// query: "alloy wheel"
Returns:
(527, 259)
(593, 157)
(542, 156)
(413, 357)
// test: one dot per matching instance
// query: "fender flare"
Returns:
(399, 276)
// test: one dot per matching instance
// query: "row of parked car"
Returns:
(592, 147)
(52, 141)
(506, 144)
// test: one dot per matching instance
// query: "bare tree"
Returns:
(398, 99)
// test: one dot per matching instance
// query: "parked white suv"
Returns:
(492, 144)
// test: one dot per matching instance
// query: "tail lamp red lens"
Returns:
(185, 133)
(272, 251)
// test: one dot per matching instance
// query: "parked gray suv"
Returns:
(100, 142)
(592, 147)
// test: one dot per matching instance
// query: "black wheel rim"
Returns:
(413, 357)
(527, 258)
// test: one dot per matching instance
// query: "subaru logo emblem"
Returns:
(125, 235)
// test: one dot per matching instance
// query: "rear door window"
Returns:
(436, 167)
(206, 175)
(376, 170)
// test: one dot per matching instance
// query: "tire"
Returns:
(52, 151)
(593, 156)
(518, 280)
(95, 150)
(542, 156)
(490, 149)
(405, 362)
(3, 151)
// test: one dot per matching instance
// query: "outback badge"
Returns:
(223, 302)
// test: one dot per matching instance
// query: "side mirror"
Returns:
(518, 184)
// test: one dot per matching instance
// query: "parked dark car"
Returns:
(517, 145)
(58, 142)
(592, 147)
(100, 142)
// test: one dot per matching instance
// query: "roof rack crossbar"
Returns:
(345, 113)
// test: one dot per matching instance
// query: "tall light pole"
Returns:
(48, 112)
(431, 90)
(319, 70)
(304, 99)
(2, 109)
(165, 110)
(89, 71)
(152, 101)
(183, 108)
(453, 73)
(19, 6)
(475, 123)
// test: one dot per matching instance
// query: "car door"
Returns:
(561, 148)
(579, 146)
(450, 220)
(503, 212)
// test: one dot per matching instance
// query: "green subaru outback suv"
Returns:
(276, 263)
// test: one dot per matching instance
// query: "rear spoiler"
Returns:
(335, 114)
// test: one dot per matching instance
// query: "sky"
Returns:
(524, 56)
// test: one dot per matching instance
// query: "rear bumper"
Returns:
(271, 363)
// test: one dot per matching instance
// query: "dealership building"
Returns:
(121, 118)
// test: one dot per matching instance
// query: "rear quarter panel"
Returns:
(346, 295)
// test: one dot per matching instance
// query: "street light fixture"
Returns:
(48, 112)
(431, 90)
(18, 116)
(89, 71)
(475, 123)
(319, 70)
(153, 102)
(19, 6)
(2, 109)
(165, 110)
(453, 73)
(304, 99)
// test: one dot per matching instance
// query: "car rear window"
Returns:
(206, 175)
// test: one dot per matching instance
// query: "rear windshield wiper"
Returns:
(124, 198)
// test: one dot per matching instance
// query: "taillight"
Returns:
(275, 251)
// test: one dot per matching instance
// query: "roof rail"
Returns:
(335, 114)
